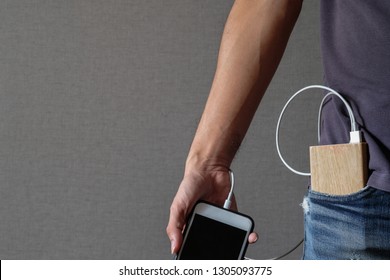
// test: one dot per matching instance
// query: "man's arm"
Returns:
(253, 42)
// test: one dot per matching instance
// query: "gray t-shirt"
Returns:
(355, 41)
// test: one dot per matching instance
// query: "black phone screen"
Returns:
(209, 239)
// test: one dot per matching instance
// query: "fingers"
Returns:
(189, 192)
(175, 236)
(193, 187)
(253, 237)
(174, 229)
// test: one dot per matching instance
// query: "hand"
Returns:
(211, 185)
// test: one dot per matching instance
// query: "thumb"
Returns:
(174, 230)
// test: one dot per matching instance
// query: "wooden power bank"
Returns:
(338, 169)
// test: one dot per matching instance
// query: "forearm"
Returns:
(253, 42)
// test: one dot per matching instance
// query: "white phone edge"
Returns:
(228, 217)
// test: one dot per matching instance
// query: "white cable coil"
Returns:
(330, 92)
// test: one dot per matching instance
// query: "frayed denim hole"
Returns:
(305, 205)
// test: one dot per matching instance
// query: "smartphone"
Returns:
(215, 233)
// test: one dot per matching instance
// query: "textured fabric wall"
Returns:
(99, 101)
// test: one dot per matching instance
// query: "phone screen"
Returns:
(209, 239)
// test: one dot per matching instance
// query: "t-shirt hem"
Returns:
(379, 181)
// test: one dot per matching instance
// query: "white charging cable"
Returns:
(228, 201)
(355, 136)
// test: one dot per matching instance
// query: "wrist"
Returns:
(212, 153)
(200, 162)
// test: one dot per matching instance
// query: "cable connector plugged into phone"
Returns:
(228, 201)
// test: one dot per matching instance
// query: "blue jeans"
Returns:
(355, 226)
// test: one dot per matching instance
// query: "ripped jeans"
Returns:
(355, 226)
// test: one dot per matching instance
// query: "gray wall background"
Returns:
(99, 101)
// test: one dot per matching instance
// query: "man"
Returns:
(355, 46)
